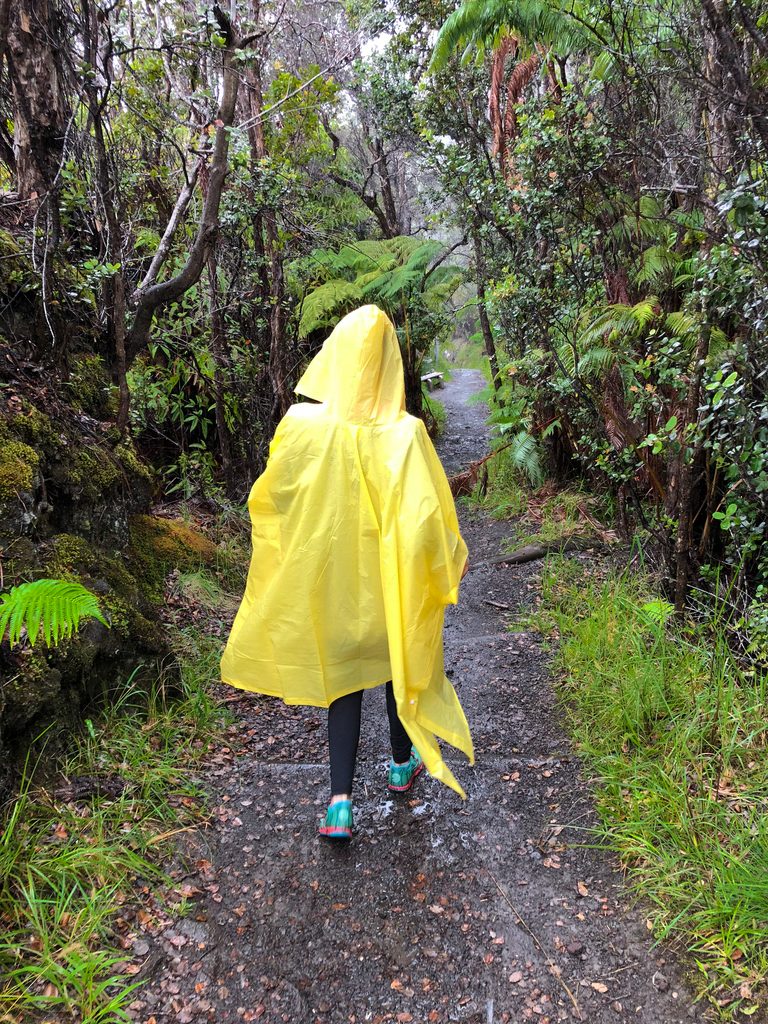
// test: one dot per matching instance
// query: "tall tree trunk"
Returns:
(218, 349)
(385, 182)
(112, 238)
(32, 46)
(738, 86)
(481, 276)
(150, 297)
(414, 403)
(687, 468)
(279, 374)
(41, 111)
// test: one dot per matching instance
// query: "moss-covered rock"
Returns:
(19, 465)
(17, 273)
(159, 545)
(32, 425)
(67, 473)
(91, 388)
(68, 487)
(127, 600)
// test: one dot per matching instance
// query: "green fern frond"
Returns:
(393, 286)
(681, 323)
(591, 362)
(363, 258)
(625, 321)
(596, 361)
(644, 311)
(441, 285)
(603, 67)
(594, 332)
(524, 453)
(631, 228)
(53, 606)
(650, 208)
(384, 271)
(326, 304)
(658, 263)
(687, 271)
(722, 347)
(421, 257)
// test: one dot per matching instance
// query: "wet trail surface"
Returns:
(486, 911)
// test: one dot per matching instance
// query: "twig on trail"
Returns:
(497, 604)
(555, 970)
(161, 838)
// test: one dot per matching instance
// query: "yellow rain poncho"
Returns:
(356, 548)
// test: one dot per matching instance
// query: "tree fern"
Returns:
(420, 257)
(390, 287)
(682, 323)
(54, 607)
(658, 263)
(384, 271)
(591, 362)
(642, 220)
(478, 26)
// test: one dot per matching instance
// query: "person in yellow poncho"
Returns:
(356, 552)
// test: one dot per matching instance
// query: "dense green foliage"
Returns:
(621, 224)
(572, 196)
(596, 170)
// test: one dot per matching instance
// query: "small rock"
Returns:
(575, 947)
(141, 947)
(660, 982)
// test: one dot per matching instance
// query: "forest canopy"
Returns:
(193, 194)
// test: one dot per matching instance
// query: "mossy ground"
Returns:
(159, 545)
(18, 467)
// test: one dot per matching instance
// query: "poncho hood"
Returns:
(358, 373)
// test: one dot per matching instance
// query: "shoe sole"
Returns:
(404, 789)
(334, 833)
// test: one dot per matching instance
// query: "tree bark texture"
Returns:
(32, 49)
(218, 350)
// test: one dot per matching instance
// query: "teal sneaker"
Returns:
(337, 823)
(402, 776)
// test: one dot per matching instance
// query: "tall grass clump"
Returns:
(72, 853)
(673, 726)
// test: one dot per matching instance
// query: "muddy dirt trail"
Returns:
(486, 911)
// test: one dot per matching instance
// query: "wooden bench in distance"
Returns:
(432, 380)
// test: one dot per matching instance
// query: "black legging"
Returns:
(344, 735)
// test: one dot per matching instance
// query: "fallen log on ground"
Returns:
(540, 549)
